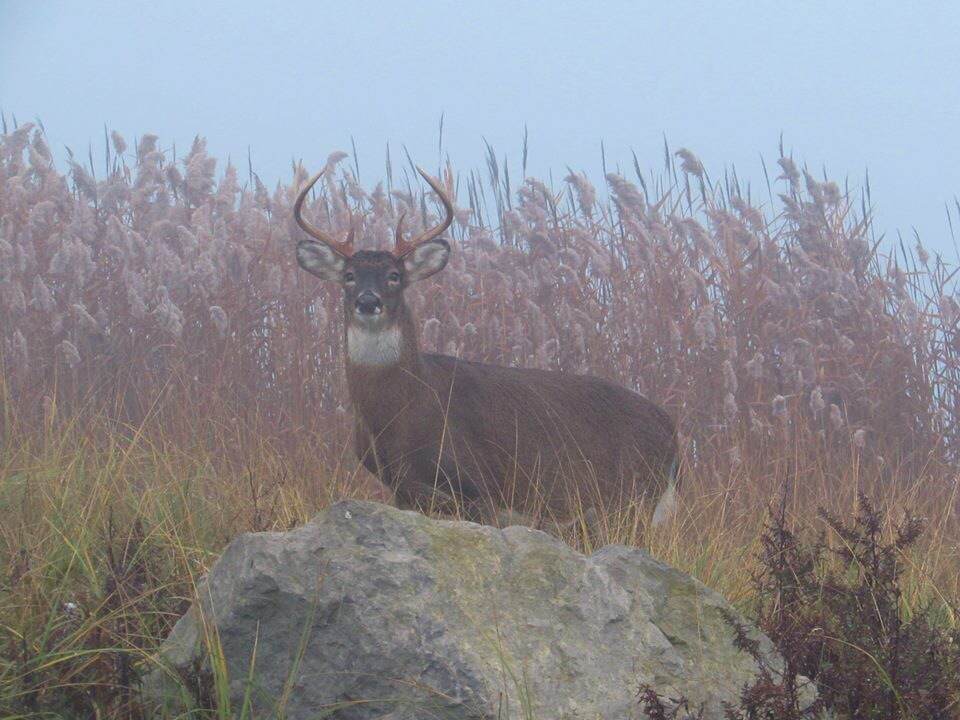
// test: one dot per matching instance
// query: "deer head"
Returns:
(374, 280)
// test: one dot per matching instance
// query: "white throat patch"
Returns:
(373, 346)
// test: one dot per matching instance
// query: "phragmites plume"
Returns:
(730, 377)
(20, 353)
(585, 192)
(85, 320)
(779, 408)
(169, 316)
(689, 163)
(730, 409)
(119, 144)
(68, 352)
(754, 366)
(705, 328)
(817, 403)
(836, 418)
(219, 319)
(747, 321)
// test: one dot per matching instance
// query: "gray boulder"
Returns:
(373, 612)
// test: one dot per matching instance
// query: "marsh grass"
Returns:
(108, 537)
(170, 379)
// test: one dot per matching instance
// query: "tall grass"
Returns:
(170, 378)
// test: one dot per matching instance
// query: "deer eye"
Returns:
(348, 278)
(393, 277)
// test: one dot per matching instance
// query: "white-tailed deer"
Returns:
(485, 437)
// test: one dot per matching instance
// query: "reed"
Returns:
(170, 378)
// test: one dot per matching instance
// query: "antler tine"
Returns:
(344, 248)
(398, 238)
(402, 248)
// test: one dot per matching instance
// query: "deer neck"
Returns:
(384, 366)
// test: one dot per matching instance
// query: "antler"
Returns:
(345, 248)
(404, 247)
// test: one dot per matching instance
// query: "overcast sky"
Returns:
(851, 86)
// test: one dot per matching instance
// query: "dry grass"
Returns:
(169, 378)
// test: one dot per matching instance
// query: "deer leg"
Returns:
(667, 504)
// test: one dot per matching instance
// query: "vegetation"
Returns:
(170, 379)
(842, 629)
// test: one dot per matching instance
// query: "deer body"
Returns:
(507, 437)
(443, 431)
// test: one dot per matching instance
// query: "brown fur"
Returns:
(479, 438)
(486, 437)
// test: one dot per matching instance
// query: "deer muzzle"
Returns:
(368, 303)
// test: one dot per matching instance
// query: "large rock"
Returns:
(373, 612)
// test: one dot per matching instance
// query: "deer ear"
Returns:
(320, 260)
(426, 260)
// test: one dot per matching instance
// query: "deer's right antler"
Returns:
(344, 248)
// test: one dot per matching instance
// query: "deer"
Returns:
(445, 432)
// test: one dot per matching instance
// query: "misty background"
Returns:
(852, 87)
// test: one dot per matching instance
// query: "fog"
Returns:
(852, 88)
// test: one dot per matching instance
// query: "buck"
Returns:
(480, 437)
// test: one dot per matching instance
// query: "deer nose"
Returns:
(369, 304)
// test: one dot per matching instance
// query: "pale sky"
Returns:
(851, 86)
